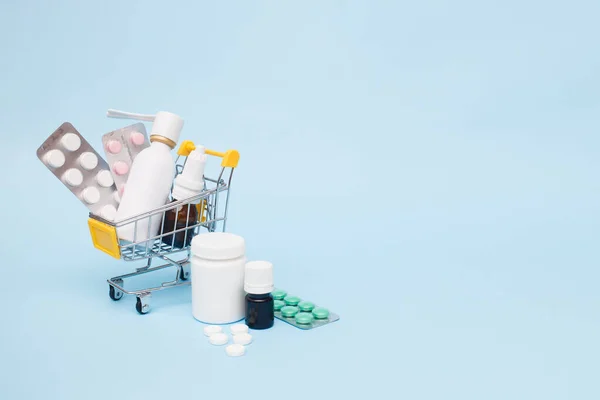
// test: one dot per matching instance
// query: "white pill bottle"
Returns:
(217, 264)
(151, 176)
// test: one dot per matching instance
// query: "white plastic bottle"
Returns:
(150, 178)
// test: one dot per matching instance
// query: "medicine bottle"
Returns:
(258, 284)
(188, 184)
(217, 265)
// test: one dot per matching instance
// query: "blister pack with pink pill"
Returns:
(121, 147)
(81, 169)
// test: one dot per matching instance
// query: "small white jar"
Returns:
(217, 264)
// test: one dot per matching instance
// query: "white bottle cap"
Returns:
(73, 177)
(91, 195)
(235, 350)
(238, 329)
(258, 278)
(218, 339)
(108, 212)
(166, 128)
(212, 330)
(218, 246)
(55, 158)
(242, 338)
(191, 180)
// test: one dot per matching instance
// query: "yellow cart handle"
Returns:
(230, 157)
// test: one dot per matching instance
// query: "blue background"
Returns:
(428, 170)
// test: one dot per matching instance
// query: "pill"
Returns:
(306, 306)
(116, 196)
(239, 328)
(235, 350)
(289, 311)
(113, 146)
(320, 313)
(136, 138)
(218, 339)
(242, 338)
(212, 330)
(108, 212)
(88, 161)
(279, 294)
(91, 195)
(278, 304)
(120, 168)
(70, 141)
(73, 177)
(304, 318)
(54, 158)
(292, 300)
(104, 178)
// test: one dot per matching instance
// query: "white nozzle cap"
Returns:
(258, 278)
(191, 180)
(166, 124)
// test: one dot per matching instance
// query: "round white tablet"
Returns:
(235, 350)
(70, 141)
(88, 161)
(104, 178)
(242, 338)
(55, 158)
(239, 328)
(108, 212)
(73, 177)
(218, 339)
(91, 195)
(212, 330)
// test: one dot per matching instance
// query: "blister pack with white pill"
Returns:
(121, 147)
(75, 162)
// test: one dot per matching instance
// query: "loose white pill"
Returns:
(242, 338)
(212, 330)
(104, 178)
(108, 212)
(91, 195)
(88, 161)
(235, 350)
(70, 141)
(218, 339)
(239, 328)
(54, 158)
(73, 177)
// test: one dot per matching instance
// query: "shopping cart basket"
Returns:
(211, 206)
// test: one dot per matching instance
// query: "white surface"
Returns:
(235, 350)
(70, 141)
(218, 246)
(191, 180)
(242, 338)
(108, 212)
(88, 161)
(148, 188)
(218, 285)
(116, 196)
(91, 195)
(218, 339)
(73, 177)
(258, 277)
(167, 125)
(104, 178)
(54, 158)
(239, 329)
(212, 329)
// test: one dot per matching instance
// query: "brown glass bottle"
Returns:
(178, 218)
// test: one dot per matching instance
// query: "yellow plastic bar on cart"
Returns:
(104, 237)
(230, 157)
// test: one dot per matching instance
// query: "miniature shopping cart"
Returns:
(171, 243)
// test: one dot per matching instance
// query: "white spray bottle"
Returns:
(151, 176)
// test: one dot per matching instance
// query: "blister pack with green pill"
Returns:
(300, 313)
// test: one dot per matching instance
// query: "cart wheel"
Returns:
(114, 294)
(142, 306)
